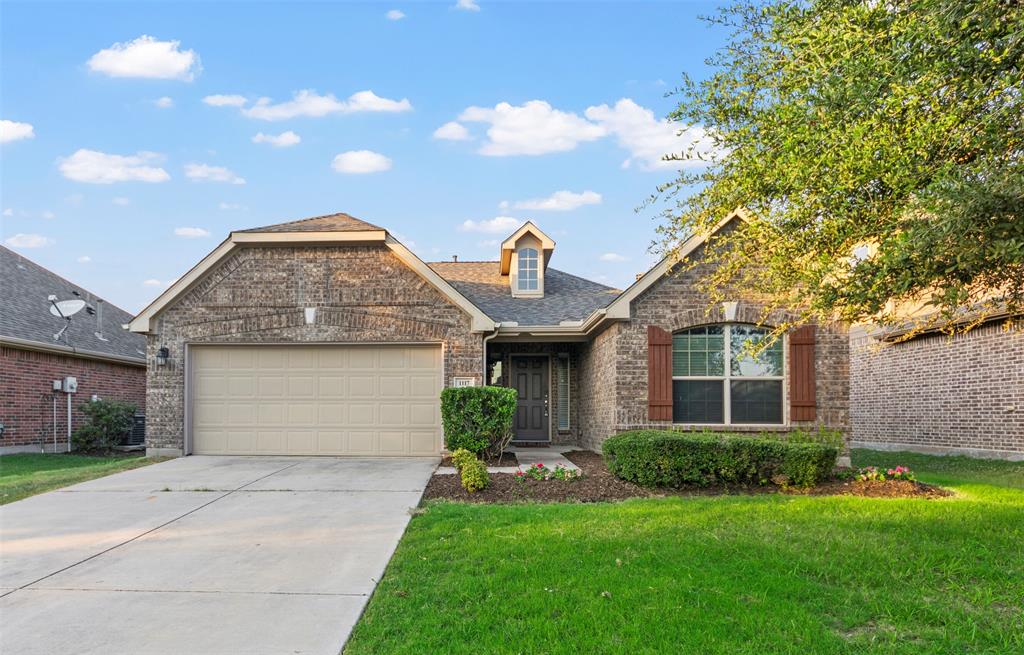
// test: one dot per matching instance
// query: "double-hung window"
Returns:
(715, 380)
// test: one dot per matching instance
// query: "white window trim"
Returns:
(727, 388)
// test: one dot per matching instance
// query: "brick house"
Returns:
(38, 347)
(939, 394)
(327, 336)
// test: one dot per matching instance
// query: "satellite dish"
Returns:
(66, 308)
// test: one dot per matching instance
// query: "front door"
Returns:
(530, 380)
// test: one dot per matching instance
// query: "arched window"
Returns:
(527, 273)
(716, 380)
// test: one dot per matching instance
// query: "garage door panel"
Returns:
(322, 400)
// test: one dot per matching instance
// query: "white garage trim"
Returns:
(218, 408)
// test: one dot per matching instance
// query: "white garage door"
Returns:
(316, 400)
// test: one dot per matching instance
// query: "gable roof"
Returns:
(566, 296)
(327, 229)
(547, 244)
(328, 223)
(25, 318)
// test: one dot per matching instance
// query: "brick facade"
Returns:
(27, 402)
(615, 363)
(941, 394)
(363, 294)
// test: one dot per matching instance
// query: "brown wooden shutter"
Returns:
(801, 374)
(659, 374)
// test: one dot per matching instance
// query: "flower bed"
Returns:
(597, 484)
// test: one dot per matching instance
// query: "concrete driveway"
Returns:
(211, 555)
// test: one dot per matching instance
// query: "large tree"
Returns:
(877, 146)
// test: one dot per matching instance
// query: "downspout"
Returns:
(483, 373)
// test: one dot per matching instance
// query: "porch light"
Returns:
(162, 355)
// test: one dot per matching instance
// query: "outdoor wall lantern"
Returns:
(162, 355)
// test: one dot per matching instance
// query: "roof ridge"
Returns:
(312, 218)
(69, 282)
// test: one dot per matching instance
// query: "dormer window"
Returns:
(524, 258)
(527, 273)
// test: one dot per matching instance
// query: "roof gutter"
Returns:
(25, 344)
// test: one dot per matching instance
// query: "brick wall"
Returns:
(26, 395)
(675, 303)
(936, 393)
(363, 293)
(596, 398)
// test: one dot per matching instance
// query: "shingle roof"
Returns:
(566, 297)
(25, 312)
(329, 223)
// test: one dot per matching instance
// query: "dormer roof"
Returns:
(508, 246)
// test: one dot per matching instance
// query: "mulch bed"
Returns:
(599, 485)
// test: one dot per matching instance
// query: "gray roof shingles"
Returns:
(329, 223)
(566, 296)
(25, 312)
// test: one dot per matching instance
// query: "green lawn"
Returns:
(27, 474)
(764, 574)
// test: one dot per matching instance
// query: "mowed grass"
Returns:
(766, 574)
(26, 474)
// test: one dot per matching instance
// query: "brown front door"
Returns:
(530, 380)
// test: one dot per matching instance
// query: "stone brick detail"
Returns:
(27, 398)
(596, 400)
(675, 303)
(506, 350)
(362, 293)
(937, 393)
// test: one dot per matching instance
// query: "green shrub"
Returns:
(108, 422)
(478, 419)
(658, 458)
(474, 475)
(822, 435)
(461, 457)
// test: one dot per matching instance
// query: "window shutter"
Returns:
(801, 374)
(659, 374)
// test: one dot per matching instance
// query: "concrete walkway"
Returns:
(549, 456)
(204, 555)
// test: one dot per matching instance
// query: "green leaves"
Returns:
(888, 128)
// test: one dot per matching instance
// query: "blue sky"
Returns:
(131, 148)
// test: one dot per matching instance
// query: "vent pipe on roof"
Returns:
(455, 258)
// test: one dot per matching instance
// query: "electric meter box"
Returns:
(70, 385)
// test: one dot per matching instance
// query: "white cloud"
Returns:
(229, 206)
(165, 102)
(488, 243)
(282, 140)
(613, 257)
(8, 212)
(466, 5)
(84, 259)
(147, 57)
(361, 161)
(395, 14)
(191, 232)
(648, 139)
(220, 100)
(121, 201)
(452, 131)
(152, 282)
(21, 240)
(496, 225)
(48, 215)
(94, 167)
(559, 201)
(309, 103)
(207, 173)
(15, 131)
(533, 128)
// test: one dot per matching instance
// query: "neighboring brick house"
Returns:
(93, 347)
(327, 336)
(940, 394)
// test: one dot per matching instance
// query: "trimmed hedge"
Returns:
(660, 458)
(478, 418)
